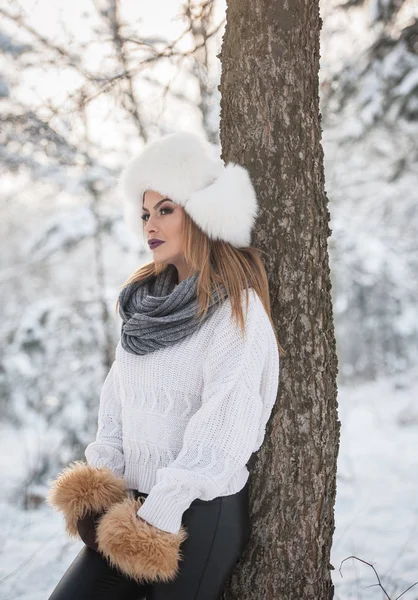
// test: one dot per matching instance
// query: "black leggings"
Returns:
(218, 532)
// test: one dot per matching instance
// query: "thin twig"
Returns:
(378, 578)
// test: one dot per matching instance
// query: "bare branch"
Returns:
(377, 576)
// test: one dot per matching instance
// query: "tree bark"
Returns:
(270, 123)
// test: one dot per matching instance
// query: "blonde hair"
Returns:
(219, 263)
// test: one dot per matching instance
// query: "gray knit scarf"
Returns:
(155, 313)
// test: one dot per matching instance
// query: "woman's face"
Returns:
(163, 220)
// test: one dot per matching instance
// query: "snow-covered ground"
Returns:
(377, 489)
(376, 509)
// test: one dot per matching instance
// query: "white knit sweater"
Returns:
(181, 422)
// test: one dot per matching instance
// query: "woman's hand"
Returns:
(87, 529)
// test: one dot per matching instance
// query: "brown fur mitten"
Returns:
(80, 489)
(137, 548)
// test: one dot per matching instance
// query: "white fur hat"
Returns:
(220, 199)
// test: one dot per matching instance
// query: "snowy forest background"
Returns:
(82, 84)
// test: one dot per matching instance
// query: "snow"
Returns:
(64, 229)
(377, 488)
(376, 510)
(53, 332)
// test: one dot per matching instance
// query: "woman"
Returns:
(162, 501)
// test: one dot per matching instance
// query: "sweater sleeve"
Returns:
(107, 449)
(241, 378)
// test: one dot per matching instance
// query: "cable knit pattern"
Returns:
(107, 450)
(182, 422)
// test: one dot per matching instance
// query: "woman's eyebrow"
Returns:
(158, 204)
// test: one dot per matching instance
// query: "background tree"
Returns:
(68, 169)
(369, 99)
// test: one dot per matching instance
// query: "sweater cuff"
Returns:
(165, 504)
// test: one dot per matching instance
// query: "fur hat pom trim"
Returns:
(81, 488)
(138, 549)
(227, 208)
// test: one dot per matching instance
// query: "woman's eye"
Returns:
(170, 210)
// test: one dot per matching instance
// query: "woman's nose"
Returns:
(149, 225)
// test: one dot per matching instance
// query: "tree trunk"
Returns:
(270, 123)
